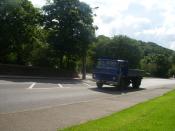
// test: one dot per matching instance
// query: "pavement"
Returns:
(47, 104)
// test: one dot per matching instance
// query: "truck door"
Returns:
(124, 68)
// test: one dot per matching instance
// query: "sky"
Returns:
(146, 20)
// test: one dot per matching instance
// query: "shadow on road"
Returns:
(115, 91)
(45, 80)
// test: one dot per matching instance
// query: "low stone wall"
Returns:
(6, 69)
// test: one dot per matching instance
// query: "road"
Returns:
(22, 96)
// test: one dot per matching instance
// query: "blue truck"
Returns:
(115, 72)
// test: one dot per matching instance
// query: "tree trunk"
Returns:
(84, 67)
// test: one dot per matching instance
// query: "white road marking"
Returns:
(88, 85)
(32, 85)
(44, 88)
(49, 88)
(60, 86)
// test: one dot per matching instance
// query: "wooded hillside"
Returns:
(154, 59)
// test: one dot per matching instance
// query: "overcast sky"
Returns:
(147, 20)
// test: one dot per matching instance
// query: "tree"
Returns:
(19, 32)
(157, 65)
(71, 30)
(171, 71)
(118, 47)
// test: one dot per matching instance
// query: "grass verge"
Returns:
(154, 115)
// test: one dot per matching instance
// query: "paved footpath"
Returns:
(49, 119)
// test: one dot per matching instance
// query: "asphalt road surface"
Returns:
(18, 95)
(27, 95)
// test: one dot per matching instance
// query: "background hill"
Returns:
(155, 60)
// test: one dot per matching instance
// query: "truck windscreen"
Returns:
(106, 64)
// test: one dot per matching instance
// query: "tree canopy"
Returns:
(61, 35)
(70, 23)
(154, 59)
(19, 30)
(118, 47)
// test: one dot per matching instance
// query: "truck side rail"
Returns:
(135, 73)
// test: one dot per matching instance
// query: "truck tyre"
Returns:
(136, 83)
(99, 84)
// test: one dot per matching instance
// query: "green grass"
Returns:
(154, 115)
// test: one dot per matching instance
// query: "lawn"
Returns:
(154, 115)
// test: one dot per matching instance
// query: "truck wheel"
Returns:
(99, 84)
(136, 83)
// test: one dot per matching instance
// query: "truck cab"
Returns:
(115, 72)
